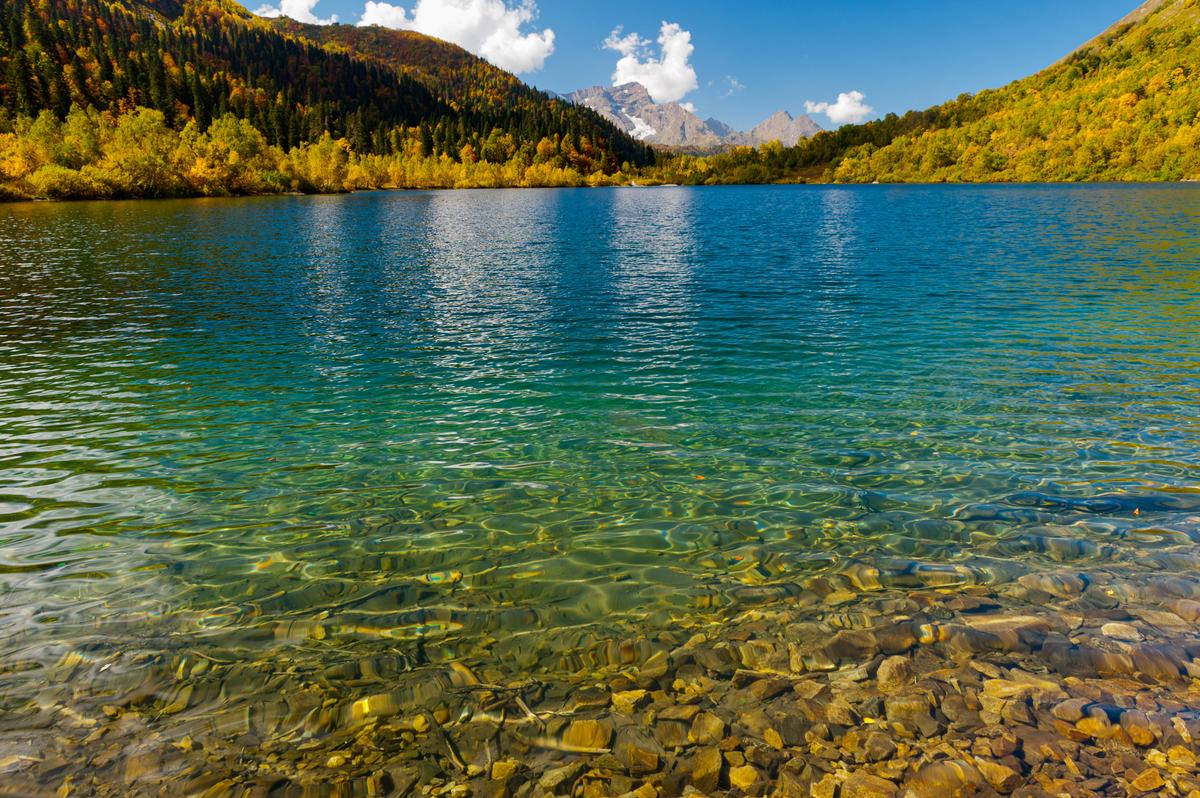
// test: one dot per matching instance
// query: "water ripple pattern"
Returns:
(443, 423)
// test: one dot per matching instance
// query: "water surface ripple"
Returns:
(506, 428)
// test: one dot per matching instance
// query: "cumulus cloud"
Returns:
(491, 29)
(848, 108)
(299, 10)
(667, 76)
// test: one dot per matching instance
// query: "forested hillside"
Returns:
(1126, 106)
(481, 93)
(90, 89)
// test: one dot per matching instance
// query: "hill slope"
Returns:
(471, 85)
(1125, 106)
(201, 59)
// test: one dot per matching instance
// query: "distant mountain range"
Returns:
(631, 108)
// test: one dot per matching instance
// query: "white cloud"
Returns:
(732, 86)
(299, 10)
(667, 77)
(491, 29)
(385, 15)
(689, 107)
(848, 108)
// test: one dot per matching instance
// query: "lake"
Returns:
(350, 492)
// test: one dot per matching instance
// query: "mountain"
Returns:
(198, 60)
(1124, 106)
(630, 107)
(783, 127)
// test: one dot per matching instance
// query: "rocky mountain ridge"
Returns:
(674, 125)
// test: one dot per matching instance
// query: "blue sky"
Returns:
(899, 55)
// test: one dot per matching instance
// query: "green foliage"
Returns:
(97, 155)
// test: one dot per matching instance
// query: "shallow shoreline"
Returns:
(919, 682)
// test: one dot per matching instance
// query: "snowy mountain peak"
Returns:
(630, 107)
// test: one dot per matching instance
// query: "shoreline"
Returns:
(1059, 184)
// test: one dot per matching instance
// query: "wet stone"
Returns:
(504, 769)
(1071, 710)
(628, 701)
(852, 646)
(588, 735)
(671, 734)
(1138, 728)
(1003, 777)
(894, 673)
(637, 759)
(877, 747)
(910, 711)
(948, 779)
(766, 689)
(707, 729)
(1121, 631)
(745, 778)
(706, 769)
(861, 784)
(558, 781)
(1149, 780)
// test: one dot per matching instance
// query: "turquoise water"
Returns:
(507, 428)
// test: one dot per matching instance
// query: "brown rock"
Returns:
(503, 769)
(1186, 608)
(559, 780)
(910, 711)
(1181, 757)
(588, 735)
(706, 769)
(637, 759)
(894, 672)
(707, 729)
(1156, 663)
(1121, 631)
(861, 784)
(766, 689)
(952, 778)
(852, 645)
(896, 639)
(141, 765)
(627, 701)
(671, 734)
(878, 747)
(1135, 724)
(1070, 710)
(826, 787)
(1095, 723)
(1148, 780)
(679, 712)
(746, 778)
(1002, 777)
(1063, 584)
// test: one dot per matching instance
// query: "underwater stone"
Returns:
(894, 672)
(707, 729)
(706, 769)
(949, 779)
(588, 734)
(861, 784)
